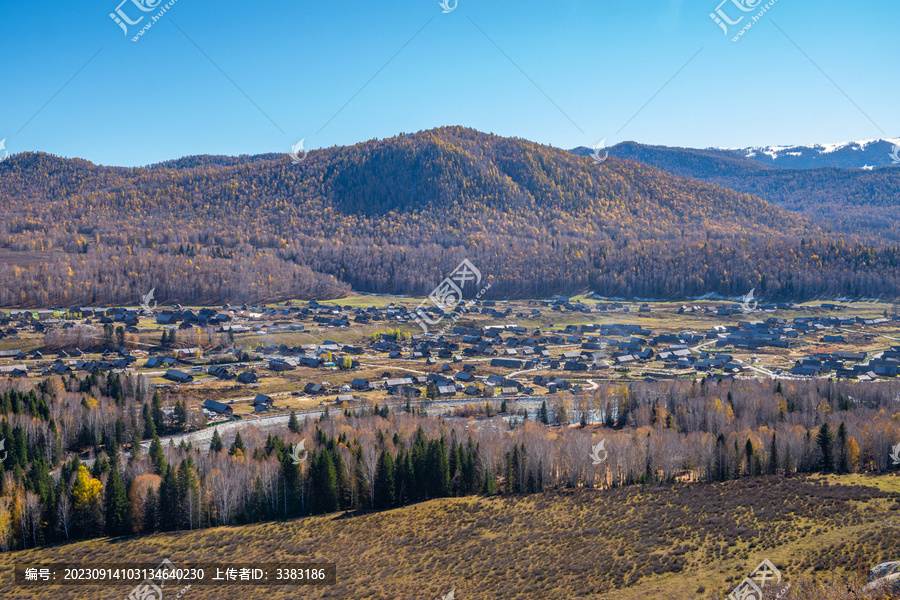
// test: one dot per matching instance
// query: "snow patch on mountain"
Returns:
(861, 154)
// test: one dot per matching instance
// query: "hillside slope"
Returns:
(845, 201)
(657, 542)
(395, 216)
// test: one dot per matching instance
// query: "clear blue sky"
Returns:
(577, 71)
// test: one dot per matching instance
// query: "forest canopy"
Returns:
(395, 216)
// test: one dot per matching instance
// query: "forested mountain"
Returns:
(850, 202)
(396, 216)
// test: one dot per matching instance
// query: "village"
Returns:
(243, 361)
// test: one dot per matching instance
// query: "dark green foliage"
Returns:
(156, 413)
(843, 463)
(324, 483)
(237, 445)
(773, 455)
(149, 426)
(215, 445)
(118, 520)
(157, 456)
(825, 440)
(385, 492)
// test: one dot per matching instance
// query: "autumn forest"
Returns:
(395, 216)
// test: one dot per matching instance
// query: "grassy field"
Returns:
(637, 543)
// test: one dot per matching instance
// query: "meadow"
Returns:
(686, 540)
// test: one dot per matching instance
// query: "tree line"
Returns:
(375, 458)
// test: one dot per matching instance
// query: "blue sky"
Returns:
(253, 77)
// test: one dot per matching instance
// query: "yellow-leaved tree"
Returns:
(86, 496)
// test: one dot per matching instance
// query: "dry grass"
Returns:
(653, 542)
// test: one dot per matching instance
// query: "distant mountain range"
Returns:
(866, 154)
(846, 200)
(398, 215)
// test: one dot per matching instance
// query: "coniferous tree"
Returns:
(324, 484)
(748, 451)
(825, 440)
(151, 511)
(293, 423)
(843, 463)
(385, 491)
(118, 520)
(179, 416)
(773, 454)
(156, 412)
(215, 445)
(149, 426)
(157, 456)
(189, 492)
(344, 488)
(237, 445)
(169, 502)
(543, 416)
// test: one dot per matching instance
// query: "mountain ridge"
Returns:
(396, 215)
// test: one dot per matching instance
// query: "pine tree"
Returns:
(169, 502)
(135, 445)
(157, 456)
(293, 424)
(773, 454)
(748, 451)
(344, 489)
(156, 413)
(189, 488)
(118, 521)
(543, 416)
(825, 440)
(385, 491)
(149, 426)
(180, 416)
(324, 484)
(843, 454)
(237, 445)
(442, 470)
(215, 445)
(151, 511)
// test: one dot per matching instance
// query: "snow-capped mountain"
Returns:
(865, 154)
